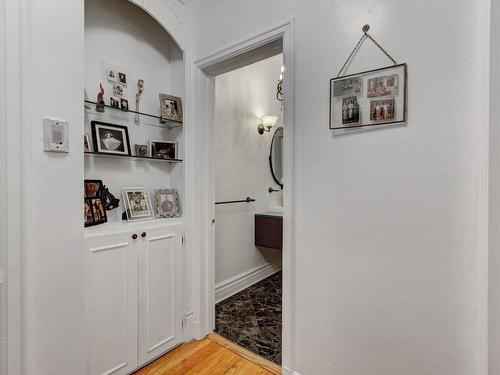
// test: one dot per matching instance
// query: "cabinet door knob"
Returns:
(134, 236)
(143, 234)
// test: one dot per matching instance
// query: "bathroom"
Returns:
(249, 206)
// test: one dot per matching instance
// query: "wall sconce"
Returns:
(267, 123)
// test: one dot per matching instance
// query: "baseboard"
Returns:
(235, 284)
(189, 326)
(287, 371)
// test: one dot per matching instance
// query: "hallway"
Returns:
(204, 357)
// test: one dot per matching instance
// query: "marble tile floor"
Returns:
(252, 318)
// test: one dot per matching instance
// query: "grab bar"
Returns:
(246, 200)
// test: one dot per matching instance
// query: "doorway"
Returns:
(278, 40)
(249, 206)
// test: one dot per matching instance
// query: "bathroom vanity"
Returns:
(269, 229)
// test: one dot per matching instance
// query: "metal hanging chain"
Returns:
(358, 46)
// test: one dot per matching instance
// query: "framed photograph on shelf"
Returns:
(374, 97)
(122, 78)
(171, 108)
(86, 143)
(163, 149)
(110, 138)
(93, 209)
(92, 188)
(167, 203)
(141, 150)
(137, 203)
(124, 104)
(114, 103)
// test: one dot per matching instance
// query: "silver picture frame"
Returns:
(167, 203)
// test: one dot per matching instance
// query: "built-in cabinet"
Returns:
(133, 282)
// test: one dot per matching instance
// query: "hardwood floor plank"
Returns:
(245, 353)
(204, 357)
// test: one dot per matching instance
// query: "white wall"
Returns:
(494, 253)
(45, 78)
(51, 80)
(242, 170)
(387, 241)
(3, 196)
(121, 34)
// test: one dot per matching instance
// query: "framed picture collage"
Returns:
(375, 97)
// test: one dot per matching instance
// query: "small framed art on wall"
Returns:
(374, 97)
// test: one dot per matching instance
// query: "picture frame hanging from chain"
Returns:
(371, 98)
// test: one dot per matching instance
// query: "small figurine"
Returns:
(140, 89)
(109, 200)
(99, 107)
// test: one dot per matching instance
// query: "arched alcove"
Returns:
(123, 37)
(170, 14)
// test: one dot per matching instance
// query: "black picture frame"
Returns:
(112, 127)
(402, 92)
(88, 194)
(163, 149)
(97, 215)
(94, 210)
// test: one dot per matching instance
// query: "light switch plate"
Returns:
(55, 134)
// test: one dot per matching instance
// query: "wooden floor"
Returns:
(210, 356)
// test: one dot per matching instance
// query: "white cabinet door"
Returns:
(111, 303)
(160, 291)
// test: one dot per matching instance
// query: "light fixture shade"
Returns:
(269, 120)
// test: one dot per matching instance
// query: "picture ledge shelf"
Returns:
(164, 122)
(133, 157)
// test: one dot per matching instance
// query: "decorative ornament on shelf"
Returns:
(99, 107)
(140, 89)
(110, 202)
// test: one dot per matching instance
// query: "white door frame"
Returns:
(14, 183)
(204, 108)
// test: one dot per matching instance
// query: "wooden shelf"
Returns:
(132, 157)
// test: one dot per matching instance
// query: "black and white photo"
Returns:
(117, 90)
(110, 138)
(141, 150)
(114, 103)
(122, 79)
(124, 104)
(111, 75)
(171, 107)
(137, 203)
(163, 149)
(350, 110)
(167, 203)
(350, 86)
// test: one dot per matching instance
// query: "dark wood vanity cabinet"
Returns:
(269, 231)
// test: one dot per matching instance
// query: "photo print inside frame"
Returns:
(375, 97)
(114, 79)
(94, 212)
(137, 203)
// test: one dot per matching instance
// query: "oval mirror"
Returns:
(275, 156)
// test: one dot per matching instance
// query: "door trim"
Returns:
(203, 244)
